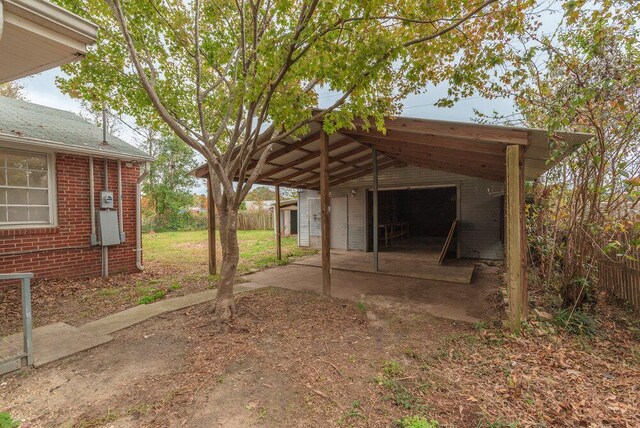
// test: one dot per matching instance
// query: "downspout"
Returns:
(92, 205)
(1, 18)
(105, 249)
(139, 216)
(120, 199)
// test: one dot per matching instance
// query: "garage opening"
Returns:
(414, 219)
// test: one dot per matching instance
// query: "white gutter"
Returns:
(62, 148)
(139, 265)
(1, 18)
(54, 18)
(92, 200)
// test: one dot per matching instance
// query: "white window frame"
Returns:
(51, 188)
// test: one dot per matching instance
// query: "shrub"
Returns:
(576, 322)
(174, 222)
(6, 421)
(150, 298)
(416, 422)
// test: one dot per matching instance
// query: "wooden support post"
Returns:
(515, 236)
(211, 228)
(278, 226)
(325, 206)
(375, 230)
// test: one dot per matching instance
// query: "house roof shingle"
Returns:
(63, 131)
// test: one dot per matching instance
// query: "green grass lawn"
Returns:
(189, 249)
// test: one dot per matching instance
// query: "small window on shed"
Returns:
(26, 189)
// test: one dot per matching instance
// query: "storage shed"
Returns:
(288, 217)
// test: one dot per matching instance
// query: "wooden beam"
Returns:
(375, 231)
(352, 163)
(325, 206)
(305, 158)
(277, 224)
(431, 152)
(430, 140)
(363, 172)
(469, 131)
(289, 147)
(315, 166)
(355, 168)
(211, 229)
(515, 238)
(493, 174)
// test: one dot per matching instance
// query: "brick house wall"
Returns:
(65, 250)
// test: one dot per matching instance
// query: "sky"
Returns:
(41, 89)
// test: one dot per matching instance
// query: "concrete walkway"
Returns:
(55, 341)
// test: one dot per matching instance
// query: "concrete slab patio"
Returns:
(411, 264)
(456, 301)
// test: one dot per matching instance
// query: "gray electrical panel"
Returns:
(109, 231)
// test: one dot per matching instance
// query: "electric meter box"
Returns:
(109, 231)
(106, 200)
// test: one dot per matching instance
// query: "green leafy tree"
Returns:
(230, 78)
(584, 76)
(169, 183)
(13, 90)
(261, 193)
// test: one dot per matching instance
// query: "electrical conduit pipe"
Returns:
(139, 216)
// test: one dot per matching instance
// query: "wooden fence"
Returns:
(255, 220)
(621, 276)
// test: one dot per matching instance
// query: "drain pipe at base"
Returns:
(147, 168)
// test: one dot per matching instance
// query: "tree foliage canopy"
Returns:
(230, 78)
(169, 183)
(12, 90)
(583, 76)
(224, 71)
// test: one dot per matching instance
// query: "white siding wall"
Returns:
(479, 209)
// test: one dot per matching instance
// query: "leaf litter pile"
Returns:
(298, 359)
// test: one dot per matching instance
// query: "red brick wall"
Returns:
(64, 250)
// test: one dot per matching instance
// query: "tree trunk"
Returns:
(224, 307)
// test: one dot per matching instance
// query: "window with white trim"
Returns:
(26, 189)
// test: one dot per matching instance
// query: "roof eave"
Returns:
(55, 18)
(63, 148)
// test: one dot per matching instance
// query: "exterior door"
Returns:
(338, 223)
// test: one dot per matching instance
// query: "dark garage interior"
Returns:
(418, 218)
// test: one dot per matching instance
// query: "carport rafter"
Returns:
(289, 148)
(426, 150)
(466, 131)
(354, 164)
(363, 172)
(313, 167)
(309, 156)
(493, 174)
(425, 140)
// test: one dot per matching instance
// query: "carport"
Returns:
(504, 155)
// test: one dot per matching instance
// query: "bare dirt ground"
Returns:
(77, 301)
(297, 359)
(170, 271)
